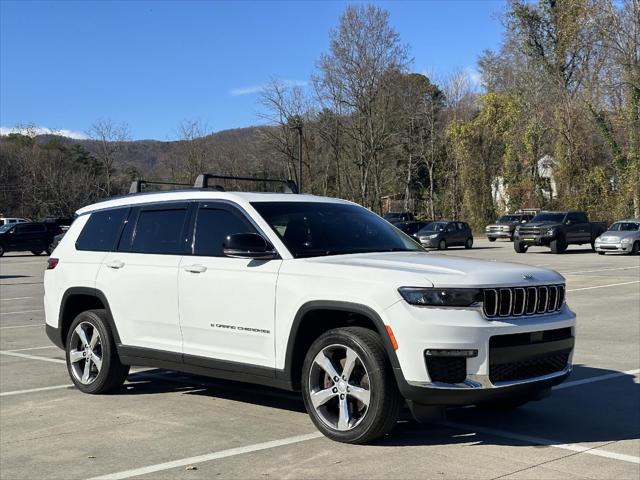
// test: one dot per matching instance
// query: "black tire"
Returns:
(491, 239)
(49, 249)
(469, 243)
(1, 250)
(36, 252)
(635, 249)
(600, 253)
(442, 245)
(558, 245)
(385, 401)
(519, 247)
(593, 246)
(112, 373)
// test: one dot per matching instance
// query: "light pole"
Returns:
(298, 127)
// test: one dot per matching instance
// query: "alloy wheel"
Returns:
(85, 353)
(339, 387)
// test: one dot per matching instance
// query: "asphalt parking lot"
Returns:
(171, 425)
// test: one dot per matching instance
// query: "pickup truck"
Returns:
(557, 230)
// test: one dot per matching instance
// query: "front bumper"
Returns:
(538, 239)
(498, 234)
(429, 242)
(418, 329)
(614, 247)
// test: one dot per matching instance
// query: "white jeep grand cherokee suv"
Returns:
(301, 293)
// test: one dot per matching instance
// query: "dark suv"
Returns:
(443, 234)
(28, 237)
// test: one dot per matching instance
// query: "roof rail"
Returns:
(138, 185)
(203, 182)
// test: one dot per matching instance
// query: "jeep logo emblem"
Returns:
(527, 276)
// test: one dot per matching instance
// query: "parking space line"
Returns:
(31, 357)
(22, 311)
(545, 441)
(603, 286)
(598, 378)
(24, 326)
(231, 452)
(15, 298)
(34, 390)
(600, 270)
(31, 348)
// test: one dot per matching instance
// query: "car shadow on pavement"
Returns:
(163, 381)
(7, 277)
(603, 411)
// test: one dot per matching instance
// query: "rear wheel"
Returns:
(92, 359)
(593, 246)
(36, 252)
(442, 245)
(469, 243)
(491, 239)
(49, 249)
(520, 247)
(558, 245)
(635, 249)
(1, 250)
(600, 253)
(348, 386)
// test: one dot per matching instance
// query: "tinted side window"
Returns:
(101, 230)
(213, 225)
(159, 230)
(30, 229)
(580, 217)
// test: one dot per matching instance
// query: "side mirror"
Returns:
(248, 245)
(568, 221)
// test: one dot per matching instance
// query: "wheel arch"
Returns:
(76, 300)
(306, 328)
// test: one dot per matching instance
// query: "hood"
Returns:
(548, 224)
(407, 268)
(611, 236)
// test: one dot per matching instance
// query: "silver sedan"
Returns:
(623, 237)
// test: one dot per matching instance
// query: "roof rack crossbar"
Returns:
(203, 181)
(138, 185)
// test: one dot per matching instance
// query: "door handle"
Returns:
(115, 264)
(195, 268)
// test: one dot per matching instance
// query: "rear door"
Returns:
(140, 278)
(227, 305)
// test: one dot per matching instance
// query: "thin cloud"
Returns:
(474, 76)
(44, 131)
(254, 89)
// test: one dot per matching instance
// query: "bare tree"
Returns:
(110, 137)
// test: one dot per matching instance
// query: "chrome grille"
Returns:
(519, 301)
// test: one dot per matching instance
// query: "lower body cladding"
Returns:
(456, 357)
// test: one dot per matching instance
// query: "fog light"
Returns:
(439, 352)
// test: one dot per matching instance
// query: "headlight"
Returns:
(486, 229)
(443, 297)
(433, 236)
(506, 229)
(625, 240)
(551, 231)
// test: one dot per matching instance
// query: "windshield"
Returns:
(624, 227)
(434, 227)
(313, 229)
(549, 217)
(509, 218)
(5, 227)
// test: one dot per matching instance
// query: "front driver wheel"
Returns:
(469, 243)
(92, 359)
(491, 239)
(348, 386)
(519, 247)
(442, 245)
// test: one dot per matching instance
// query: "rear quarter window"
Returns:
(101, 231)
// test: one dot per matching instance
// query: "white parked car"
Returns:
(302, 293)
(12, 220)
(622, 237)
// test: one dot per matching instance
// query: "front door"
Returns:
(226, 304)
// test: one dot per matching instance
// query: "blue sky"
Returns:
(64, 64)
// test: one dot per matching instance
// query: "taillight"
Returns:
(52, 263)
